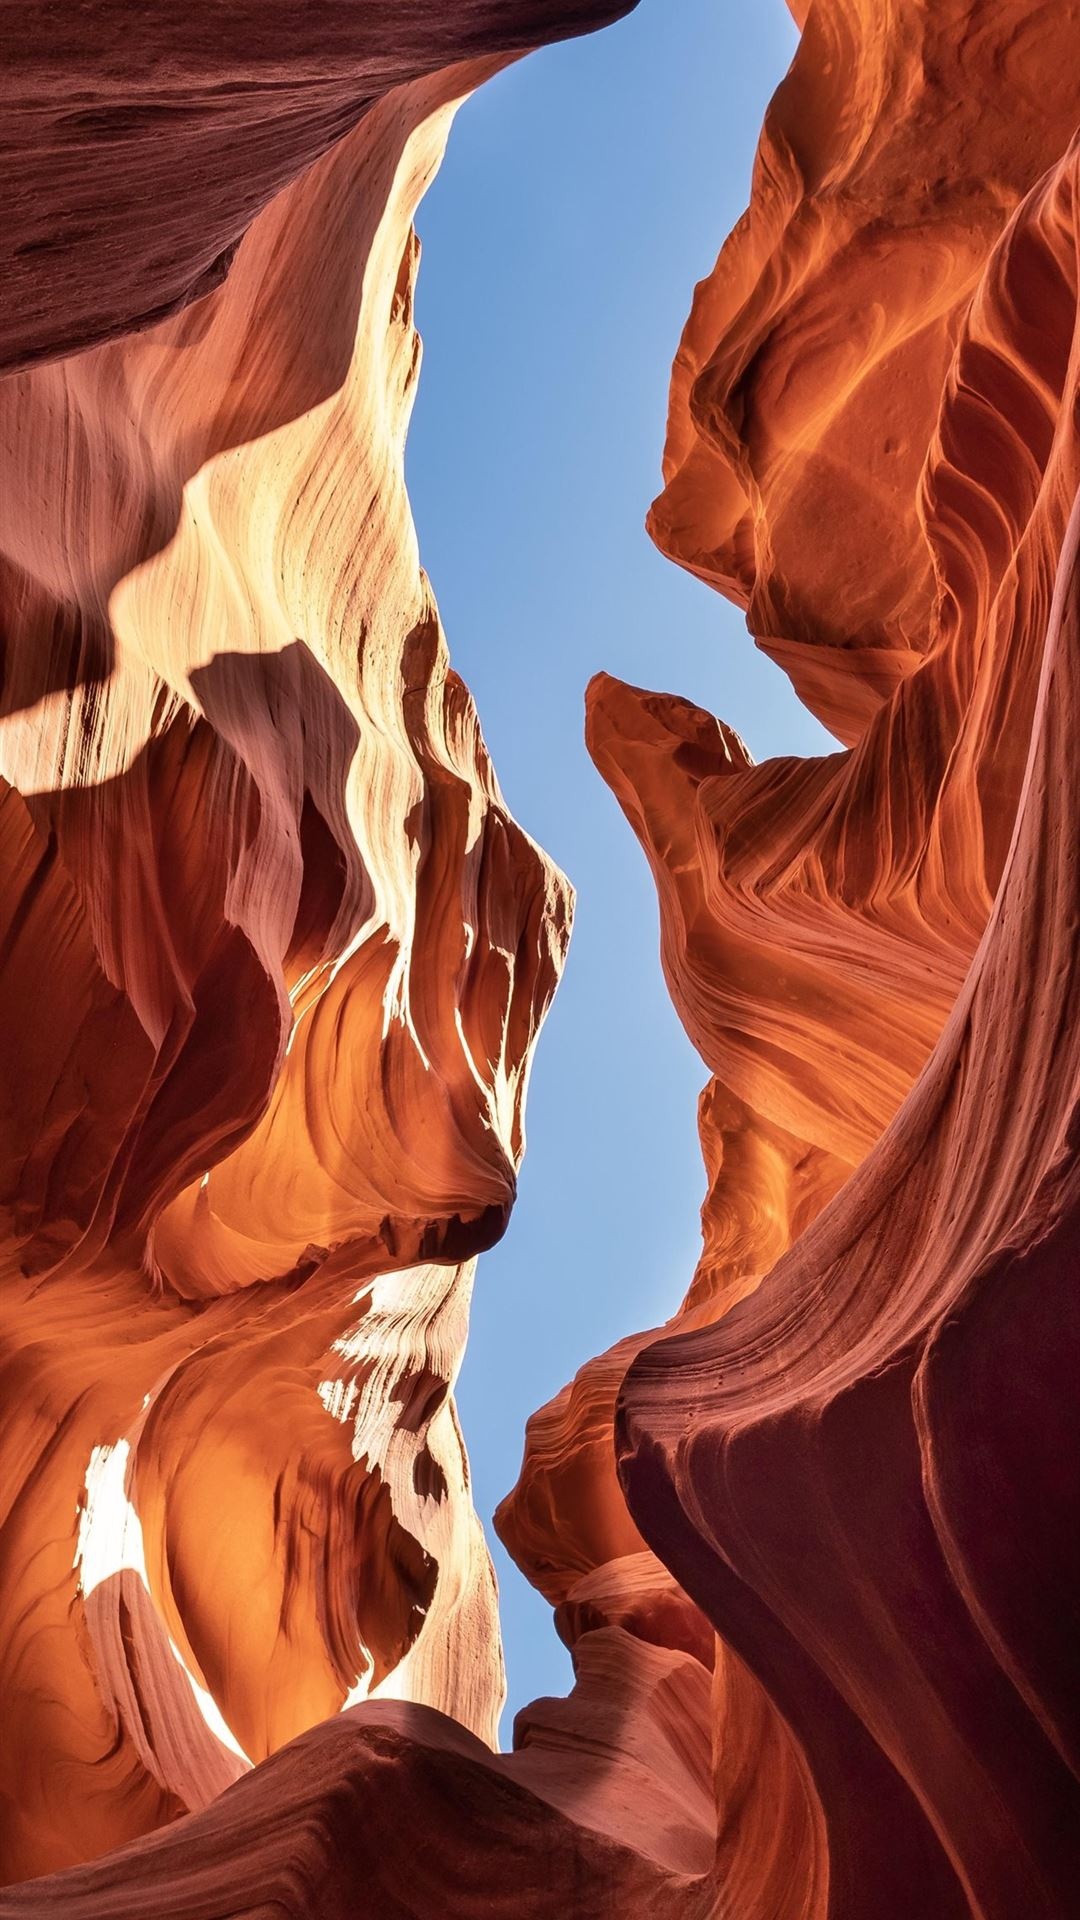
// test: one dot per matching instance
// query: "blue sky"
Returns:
(584, 192)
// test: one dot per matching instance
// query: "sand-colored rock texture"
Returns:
(273, 959)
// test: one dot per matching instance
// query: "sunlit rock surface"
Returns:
(808, 384)
(859, 1454)
(274, 958)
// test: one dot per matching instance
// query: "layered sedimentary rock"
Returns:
(134, 164)
(859, 1452)
(275, 958)
(808, 383)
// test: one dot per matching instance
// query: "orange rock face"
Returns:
(872, 448)
(274, 958)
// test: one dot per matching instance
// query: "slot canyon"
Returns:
(275, 958)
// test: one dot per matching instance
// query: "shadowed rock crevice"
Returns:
(274, 957)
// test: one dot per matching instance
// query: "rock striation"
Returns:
(133, 169)
(274, 959)
(836, 1452)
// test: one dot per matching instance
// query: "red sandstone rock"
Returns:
(264, 1101)
(828, 1469)
(808, 382)
(834, 1468)
(819, 920)
(275, 957)
(135, 161)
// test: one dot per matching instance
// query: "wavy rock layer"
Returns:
(265, 1104)
(853, 1454)
(275, 957)
(808, 383)
(133, 167)
(858, 1454)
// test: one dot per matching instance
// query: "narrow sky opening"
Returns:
(585, 191)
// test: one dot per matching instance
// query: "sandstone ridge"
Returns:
(275, 957)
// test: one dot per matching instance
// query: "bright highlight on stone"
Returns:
(274, 958)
